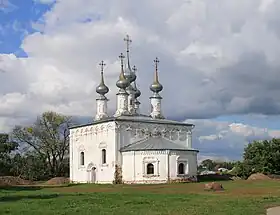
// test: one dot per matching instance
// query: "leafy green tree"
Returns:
(48, 139)
(29, 166)
(6, 147)
(208, 164)
(261, 157)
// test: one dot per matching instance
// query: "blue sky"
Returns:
(271, 122)
(16, 21)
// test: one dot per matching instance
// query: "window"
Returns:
(103, 156)
(82, 158)
(150, 169)
(181, 168)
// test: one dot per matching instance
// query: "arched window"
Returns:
(181, 168)
(103, 156)
(82, 158)
(150, 169)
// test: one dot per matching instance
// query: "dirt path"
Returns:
(273, 211)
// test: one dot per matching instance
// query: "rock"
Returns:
(58, 181)
(258, 176)
(13, 181)
(214, 186)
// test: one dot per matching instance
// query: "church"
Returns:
(130, 147)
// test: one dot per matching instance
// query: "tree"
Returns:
(214, 165)
(208, 164)
(262, 157)
(243, 169)
(29, 166)
(48, 138)
(6, 147)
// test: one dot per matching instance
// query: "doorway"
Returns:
(93, 175)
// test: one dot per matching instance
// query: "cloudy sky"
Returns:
(219, 62)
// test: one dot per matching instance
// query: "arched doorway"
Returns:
(92, 173)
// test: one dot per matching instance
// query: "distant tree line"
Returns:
(258, 157)
(213, 165)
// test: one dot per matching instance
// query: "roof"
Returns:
(155, 143)
(134, 118)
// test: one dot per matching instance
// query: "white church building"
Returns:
(130, 147)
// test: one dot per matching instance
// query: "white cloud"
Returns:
(226, 140)
(216, 58)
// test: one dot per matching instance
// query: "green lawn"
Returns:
(239, 198)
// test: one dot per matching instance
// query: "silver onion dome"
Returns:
(102, 89)
(130, 89)
(122, 83)
(137, 91)
(129, 74)
(156, 87)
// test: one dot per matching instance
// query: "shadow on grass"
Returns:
(34, 187)
(13, 198)
(214, 177)
(20, 188)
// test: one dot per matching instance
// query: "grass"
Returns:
(239, 198)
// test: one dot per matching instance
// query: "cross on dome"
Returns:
(128, 41)
(156, 87)
(102, 89)
(122, 83)
(102, 65)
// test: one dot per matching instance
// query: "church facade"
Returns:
(130, 147)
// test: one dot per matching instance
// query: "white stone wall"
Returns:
(122, 104)
(165, 163)
(134, 131)
(156, 107)
(188, 158)
(135, 163)
(101, 110)
(91, 140)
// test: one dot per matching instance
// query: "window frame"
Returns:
(179, 168)
(155, 162)
(185, 162)
(103, 157)
(82, 158)
(149, 167)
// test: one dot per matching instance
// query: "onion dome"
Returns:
(102, 89)
(128, 73)
(137, 91)
(122, 83)
(156, 87)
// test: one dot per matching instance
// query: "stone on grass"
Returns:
(213, 186)
(258, 176)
